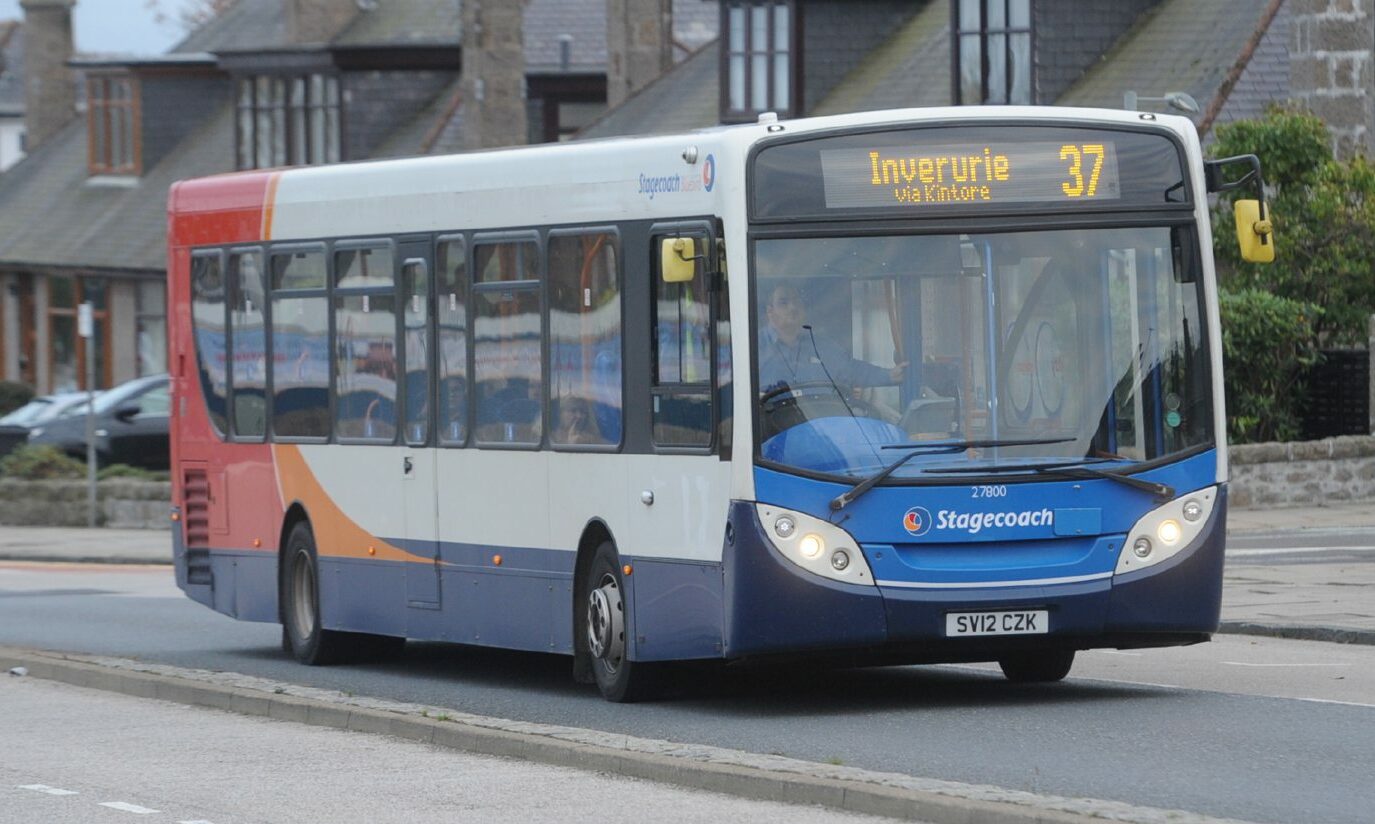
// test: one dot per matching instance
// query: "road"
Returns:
(1253, 728)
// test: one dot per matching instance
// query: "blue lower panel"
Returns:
(677, 609)
(245, 585)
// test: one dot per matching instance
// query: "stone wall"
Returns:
(119, 503)
(1330, 67)
(1303, 473)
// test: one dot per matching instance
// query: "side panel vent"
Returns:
(195, 514)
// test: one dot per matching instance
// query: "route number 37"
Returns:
(1079, 157)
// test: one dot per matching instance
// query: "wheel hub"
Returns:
(605, 623)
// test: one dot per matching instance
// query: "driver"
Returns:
(790, 355)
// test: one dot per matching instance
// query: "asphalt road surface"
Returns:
(1251, 728)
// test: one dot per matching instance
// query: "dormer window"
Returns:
(993, 51)
(759, 58)
(112, 112)
(288, 120)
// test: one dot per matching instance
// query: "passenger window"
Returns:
(300, 345)
(451, 312)
(249, 364)
(682, 358)
(584, 340)
(153, 403)
(507, 342)
(207, 312)
(415, 284)
(365, 344)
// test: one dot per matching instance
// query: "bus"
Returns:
(917, 386)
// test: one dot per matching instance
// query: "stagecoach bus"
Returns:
(930, 385)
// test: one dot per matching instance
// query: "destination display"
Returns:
(967, 169)
(916, 176)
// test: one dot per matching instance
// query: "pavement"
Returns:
(1306, 573)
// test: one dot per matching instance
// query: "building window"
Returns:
(113, 139)
(288, 121)
(993, 51)
(759, 59)
(151, 322)
(68, 351)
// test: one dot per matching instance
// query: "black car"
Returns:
(15, 427)
(130, 426)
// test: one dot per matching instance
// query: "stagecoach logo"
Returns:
(917, 521)
(709, 172)
(653, 185)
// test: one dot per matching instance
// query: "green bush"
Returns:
(13, 395)
(1323, 211)
(127, 471)
(1268, 342)
(40, 463)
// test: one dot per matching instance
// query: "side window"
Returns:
(451, 312)
(415, 292)
(153, 403)
(682, 389)
(725, 375)
(365, 343)
(300, 344)
(507, 342)
(584, 340)
(247, 331)
(207, 313)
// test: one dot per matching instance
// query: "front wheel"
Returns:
(604, 633)
(1037, 667)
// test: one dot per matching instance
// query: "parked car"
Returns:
(130, 426)
(15, 427)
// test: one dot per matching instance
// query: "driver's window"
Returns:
(682, 390)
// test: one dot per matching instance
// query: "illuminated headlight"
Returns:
(1164, 531)
(816, 545)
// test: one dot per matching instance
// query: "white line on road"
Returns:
(1295, 550)
(197, 821)
(128, 808)
(44, 788)
(1279, 666)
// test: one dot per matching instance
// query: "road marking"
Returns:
(1278, 666)
(128, 808)
(1295, 550)
(197, 821)
(44, 788)
(1117, 652)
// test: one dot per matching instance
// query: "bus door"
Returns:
(417, 465)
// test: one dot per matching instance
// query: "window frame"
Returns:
(270, 252)
(103, 109)
(617, 246)
(795, 92)
(288, 112)
(476, 287)
(262, 250)
(392, 291)
(469, 362)
(100, 318)
(219, 254)
(704, 230)
(957, 33)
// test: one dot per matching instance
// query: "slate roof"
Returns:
(54, 214)
(11, 68)
(1183, 45)
(1266, 78)
(682, 99)
(911, 69)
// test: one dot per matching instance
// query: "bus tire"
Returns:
(302, 633)
(1037, 667)
(604, 634)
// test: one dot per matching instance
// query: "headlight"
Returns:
(35, 432)
(1163, 532)
(817, 546)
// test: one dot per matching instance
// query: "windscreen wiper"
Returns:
(842, 500)
(1071, 471)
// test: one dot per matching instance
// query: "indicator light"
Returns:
(784, 527)
(627, 569)
(840, 560)
(496, 560)
(1193, 510)
(1142, 547)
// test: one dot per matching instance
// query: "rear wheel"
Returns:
(604, 633)
(303, 635)
(1037, 667)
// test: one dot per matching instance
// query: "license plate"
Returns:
(1020, 622)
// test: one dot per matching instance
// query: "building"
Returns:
(266, 83)
(11, 94)
(283, 82)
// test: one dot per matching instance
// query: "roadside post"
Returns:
(85, 327)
